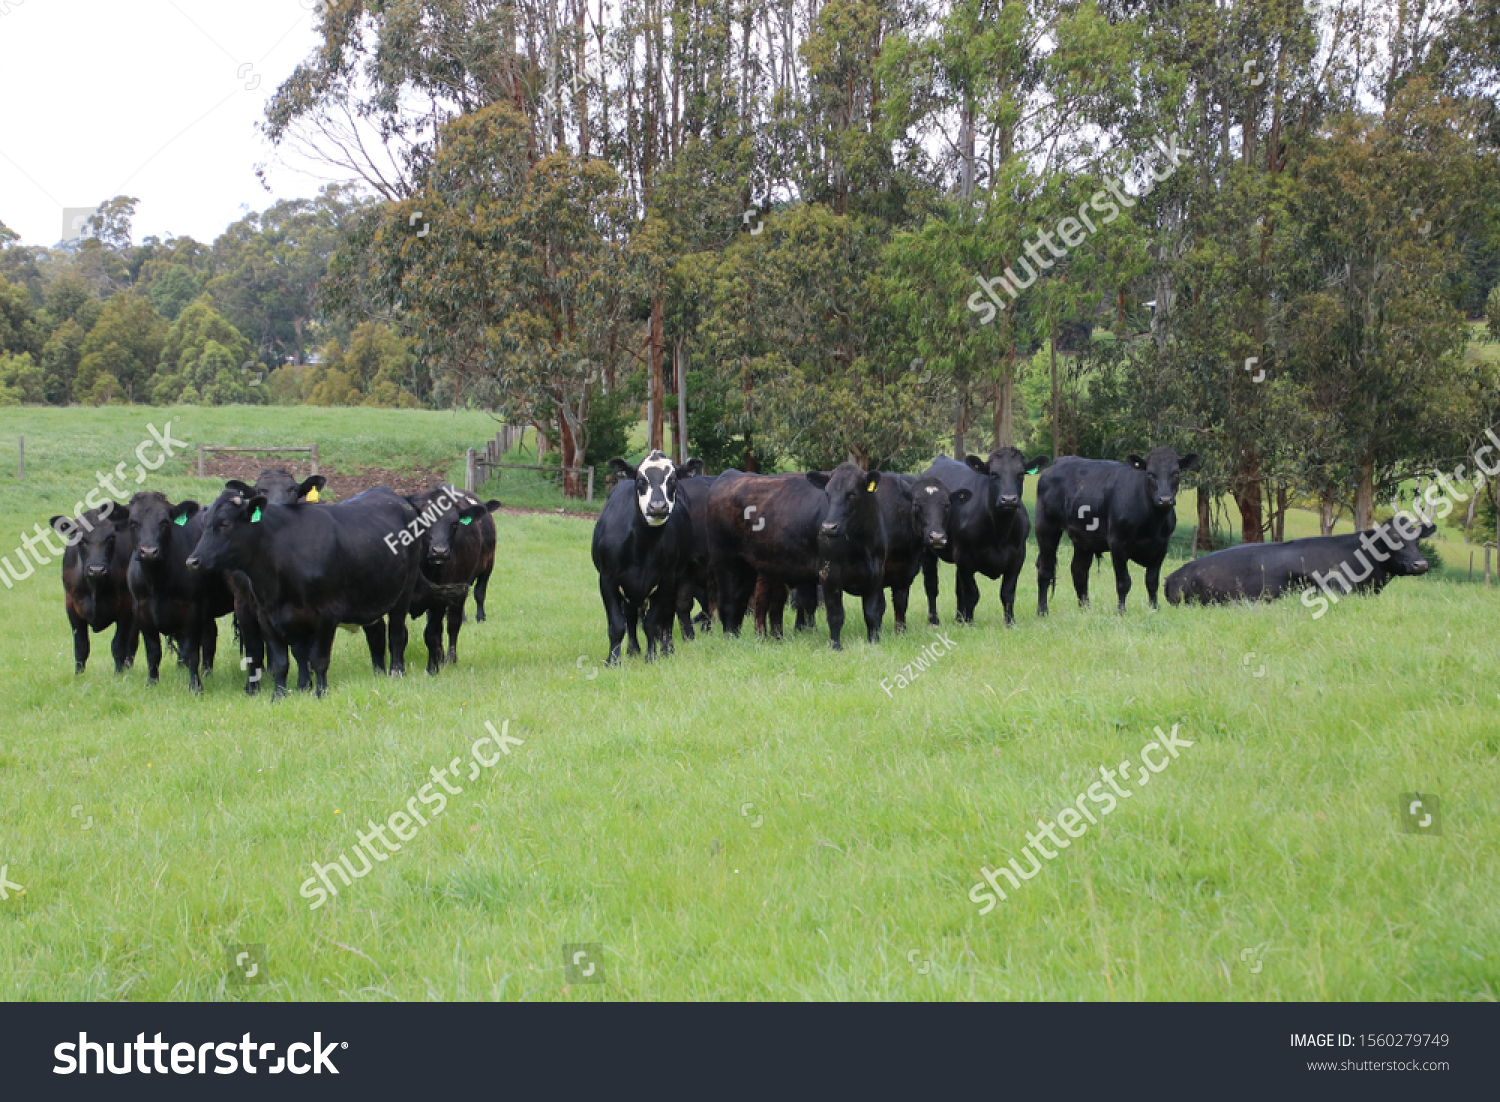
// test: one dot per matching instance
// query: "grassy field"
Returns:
(747, 819)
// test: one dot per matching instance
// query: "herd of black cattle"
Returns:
(293, 570)
(669, 538)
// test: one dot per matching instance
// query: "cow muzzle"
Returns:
(1166, 502)
(831, 529)
(96, 570)
(149, 554)
(192, 562)
(1421, 566)
(936, 540)
(1008, 501)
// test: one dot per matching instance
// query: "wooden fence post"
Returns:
(591, 486)
(469, 471)
(201, 473)
(315, 457)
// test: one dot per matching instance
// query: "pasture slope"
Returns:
(747, 820)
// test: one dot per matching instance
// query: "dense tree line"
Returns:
(822, 229)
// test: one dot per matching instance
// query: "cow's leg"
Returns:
(874, 606)
(432, 635)
(1153, 576)
(1083, 562)
(805, 601)
(1008, 592)
(659, 625)
(833, 601)
(614, 616)
(153, 656)
(776, 610)
(375, 637)
(1122, 575)
(210, 643)
(133, 644)
(302, 652)
(966, 597)
(253, 646)
(455, 622)
(122, 647)
(1046, 567)
(398, 636)
(684, 606)
(481, 589)
(632, 618)
(191, 653)
(322, 653)
(735, 585)
(80, 642)
(900, 594)
(930, 584)
(278, 660)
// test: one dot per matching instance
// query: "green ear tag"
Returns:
(180, 521)
(468, 520)
(255, 517)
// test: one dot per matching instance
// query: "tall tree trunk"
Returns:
(679, 365)
(657, 390)
(1203, 536)
(1247, 496)
(1364, 495)
(1056, 424)
(1005, 395)
(1328, 509)
(567, 446)
(1281, 513)
(960, 419)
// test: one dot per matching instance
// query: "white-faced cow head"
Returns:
(656, 484)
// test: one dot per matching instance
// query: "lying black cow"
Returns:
(1125, 509)
(799, 532)
(1363, 562)
(279, 487)
(987, 528)
(96, 587)
(453, 553)
(314, 567)
(172, 599)
(697, 583)
(642, 544)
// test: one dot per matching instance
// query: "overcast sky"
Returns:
(157, 99)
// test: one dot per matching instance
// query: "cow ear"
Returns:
(238, 487)
(1427, 531)
(872, 481)
(1136, 461)
(692, 467)
(311, 486)
(978, 464)
(471, 513)
(1038, 463)
(185, 510)
(492, 504)
(56, 521)
(818, 479)
(255, 505)
(1189, 462)
(622, 468)
(958, 497)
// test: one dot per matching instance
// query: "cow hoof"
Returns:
(834, 644)
(432, 671)
(479, 617)
(77, 667)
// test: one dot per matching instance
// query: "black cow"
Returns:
(452, 554)
(798, 532)
(1265, 571)
(642, 544)
(697, 581)
(1125, 509)
(314, 567)
(279, 488)
(987, 528)
(172, 599)
(96, 587)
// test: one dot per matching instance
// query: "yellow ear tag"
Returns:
(871, 488)
(312, 495)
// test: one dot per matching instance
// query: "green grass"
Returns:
(749, 819)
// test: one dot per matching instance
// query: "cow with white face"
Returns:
(642, 550)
